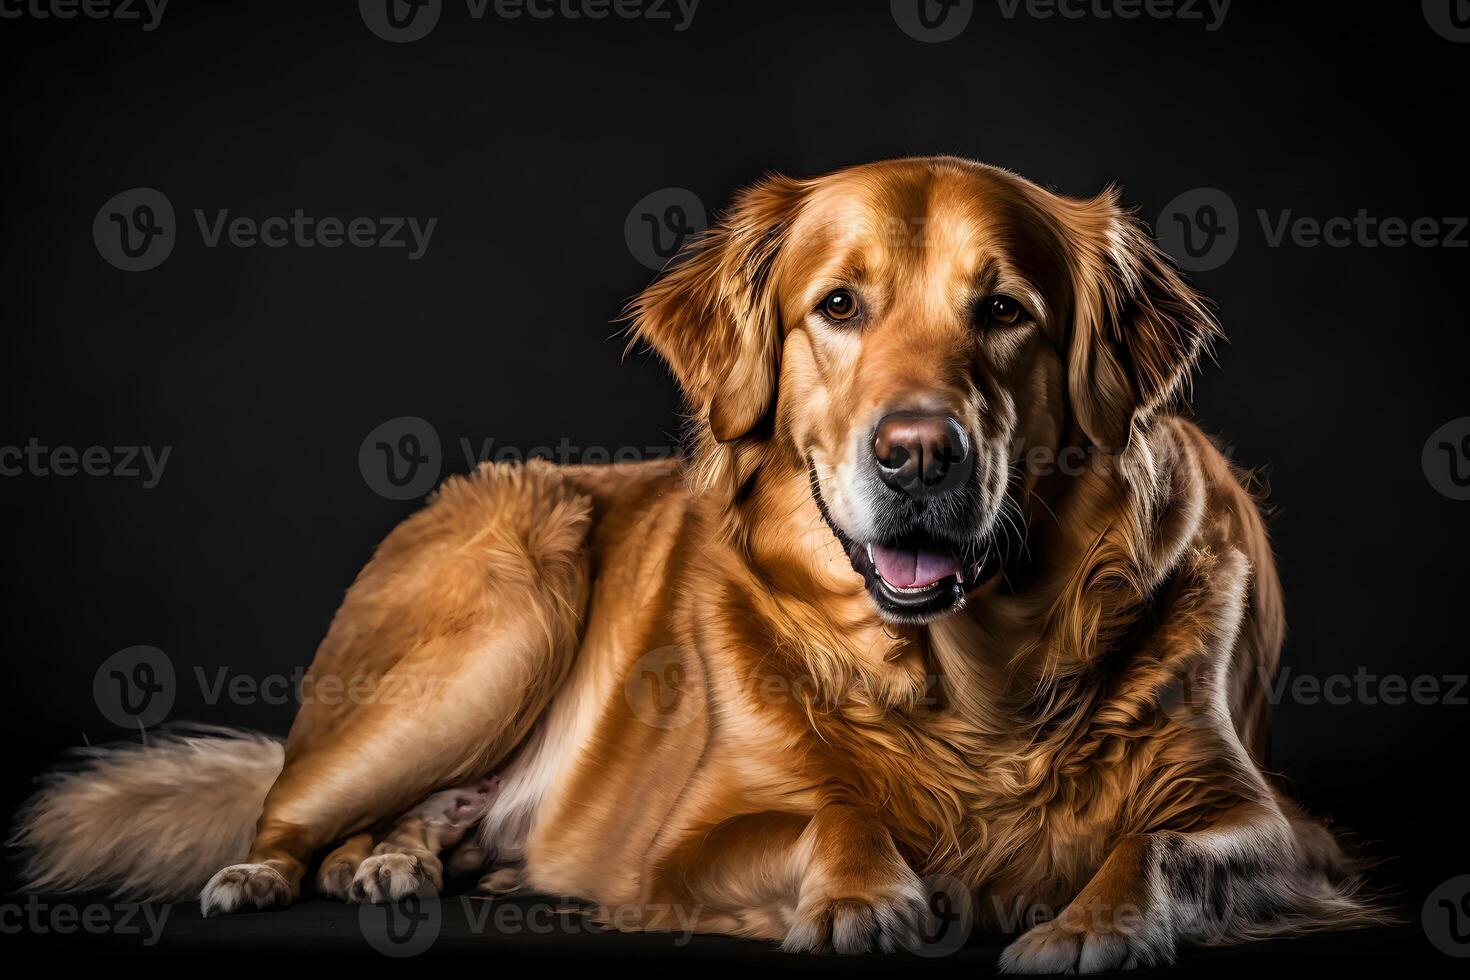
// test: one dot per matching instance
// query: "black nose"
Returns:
(921, 455)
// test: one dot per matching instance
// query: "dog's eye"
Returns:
(1002, 310)
(839, 305)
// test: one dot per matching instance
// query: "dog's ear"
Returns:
(714, 317)
(1138, 329)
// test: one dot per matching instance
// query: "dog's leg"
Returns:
(408, 857)
(857, 893)
(445, 651)
(831, 882)
(338, 868)
(422, 834)
(1248, 875)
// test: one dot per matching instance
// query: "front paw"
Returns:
(1087, 940)
(887, 921)
(394, 876)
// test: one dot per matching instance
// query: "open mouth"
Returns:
(913, 579)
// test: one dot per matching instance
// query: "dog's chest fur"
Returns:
(1020, 798)
(968, 788)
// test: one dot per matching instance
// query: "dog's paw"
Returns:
(1072, 943)
(334, 878)
(467, 858)
(245, 888)
(460, 807)
(887, 922)
(502, 881)
(395, 876)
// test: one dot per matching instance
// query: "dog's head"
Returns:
(905, 332)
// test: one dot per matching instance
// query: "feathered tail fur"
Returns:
(150, 821)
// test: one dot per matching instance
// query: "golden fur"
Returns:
(687, 691)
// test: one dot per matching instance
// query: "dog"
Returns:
(945, 588)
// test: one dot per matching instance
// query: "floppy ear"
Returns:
(714, 317)
(1138, 328)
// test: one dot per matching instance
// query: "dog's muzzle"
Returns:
(928, 556)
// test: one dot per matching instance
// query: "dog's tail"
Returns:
(151, 821)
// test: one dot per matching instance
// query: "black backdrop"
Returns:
(535, 142)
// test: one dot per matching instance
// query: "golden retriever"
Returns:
(944, 587)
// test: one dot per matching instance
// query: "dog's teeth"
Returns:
(870, 555)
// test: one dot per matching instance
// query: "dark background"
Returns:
(531, 140)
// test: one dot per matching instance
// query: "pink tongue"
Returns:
(908, 568)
